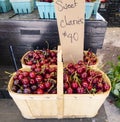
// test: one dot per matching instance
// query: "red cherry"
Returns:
(27, 91)
(66, 85)
(38, 78)
(32, 74)
(32, 81)
(20, 76)
(84, 75)
(80, 90)
(40, 91)
(48, 84)
(25, 81)
(85, 84)
(106, 86)
(69, 90)
(25, 73)
(41, 85)
(29, 63)
(74, 85)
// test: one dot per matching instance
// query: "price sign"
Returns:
(70, 21)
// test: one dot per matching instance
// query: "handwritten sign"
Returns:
(70, 21)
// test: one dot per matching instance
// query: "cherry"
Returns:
(26, 85)
(32, 74)
(54, 91)
(33, 67)
(33, 87)
(106, 86)
(38, 78)
(80, 62)
(40, 91)
(14, 88)
(100, 85)
(41, 85)
(32, 81)
(25, 81)
(16, 82)
(69, 90)
(25, 73)
(89, 87)
(27, 91)
(47, 76)
(85, 84)
(80, 90)
(20, 76)
(19, 91)
(48, 84)
(66, 85)
(37, 69)
(84, 75)
(29, 63)
(74, 85)
(70, 65)
(89, 79)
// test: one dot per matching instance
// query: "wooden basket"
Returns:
(58, 105)
(34, 106)
(85, 105)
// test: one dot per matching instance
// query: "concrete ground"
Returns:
(109, 52)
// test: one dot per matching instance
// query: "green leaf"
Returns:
(118, 58)
(117, 103)
(117, 86)
(116, 92)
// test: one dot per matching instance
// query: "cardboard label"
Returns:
(70, 21)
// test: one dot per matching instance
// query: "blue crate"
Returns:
(23, 7)
(5, 6)
(89, 6)
(96, 7)
(46, 10)
(35, 6)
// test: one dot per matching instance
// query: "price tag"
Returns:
(70, 21)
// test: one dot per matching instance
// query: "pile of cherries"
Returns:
(81, 79)
(41, 56)
(39, 80)
(89, 58)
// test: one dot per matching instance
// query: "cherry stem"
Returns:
(88, 91)
(101, 66)
(20, 87)
(10, 74)
(51, 87)
(47, 44)
(75, 77)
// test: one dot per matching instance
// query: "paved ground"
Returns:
(109, 52)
